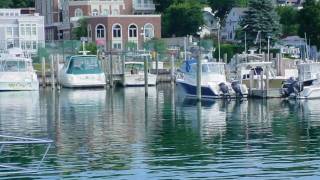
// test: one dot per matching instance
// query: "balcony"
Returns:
(143, 6)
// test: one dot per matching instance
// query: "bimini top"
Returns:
(190, 66)
(83, 64)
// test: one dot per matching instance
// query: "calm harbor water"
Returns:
(119, 134)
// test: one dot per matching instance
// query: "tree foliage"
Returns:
(16, 3)
(309, 18)
(289, 20)
(81, 29)
(157, 45)
(261, 16)
(224, 6)
(182, 18)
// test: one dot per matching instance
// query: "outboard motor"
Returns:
(224, 89)
(291, 86)
(236, 86)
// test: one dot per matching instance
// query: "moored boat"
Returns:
(134, 75)
(82, 71)
(213, 82)
(16, 72)
(307, 86)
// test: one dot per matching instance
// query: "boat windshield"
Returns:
(13, 66)
(84, 65)
(213, 68)
(134, 68)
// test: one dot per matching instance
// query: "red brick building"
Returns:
(112, 24)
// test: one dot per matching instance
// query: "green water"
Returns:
(119, 134)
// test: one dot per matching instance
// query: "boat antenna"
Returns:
(83, 40)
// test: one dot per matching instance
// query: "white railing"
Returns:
(14, 140)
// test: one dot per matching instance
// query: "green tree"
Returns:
(224, 6)
(181, 19)
(289, 20)
(261, 16)
(81, 29)
(91, 47)
(309, 18)
(157, 45)
(16, 3)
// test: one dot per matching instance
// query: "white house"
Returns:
(232, 23)
(25, 31)
(210, 22)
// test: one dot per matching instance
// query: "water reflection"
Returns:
(20, 112)
(121, 133)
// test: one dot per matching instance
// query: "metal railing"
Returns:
(14, 140)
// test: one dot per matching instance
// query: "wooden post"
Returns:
(110, 70)
(237, 59)
(58, 71)
(267, 78)
(225, 58)
(52, 72)
(146, 75)
(43, 70)
(251, 81)
(123, 63)
(261, 83)
(157, 64)
(199, 74)
(172, 69)
(278, 64)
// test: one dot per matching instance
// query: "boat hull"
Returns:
(138, 80)
(310, 93)
(191, 90)
(19, 86)
(82, 81)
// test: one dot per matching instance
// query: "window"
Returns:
(133, 31)
(95, 12)
(116, 31)
(34, 30)
(105, 12)
(28, 29)
(115, 12)
(148, 31)
(100, 30)
(34, 45)
(22, 30)
(9, 32)
(78, 12)
(116, 45)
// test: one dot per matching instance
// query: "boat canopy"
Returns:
(308, 71)
(134, 67)
(190, 66)
(15, 65)
(84, 65)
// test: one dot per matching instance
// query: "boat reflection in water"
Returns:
(27, 104)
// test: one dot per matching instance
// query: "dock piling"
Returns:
(251, 81)
(172, 69)
(146, 75)
(123, 63)
(43, 71)
(110, 70)
(58, 70)
(199, 74)
(52, 72)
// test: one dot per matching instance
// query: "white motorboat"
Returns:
(213, 82)
(16, 72)
(308, 84)
(134, 75)
(82, 71)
